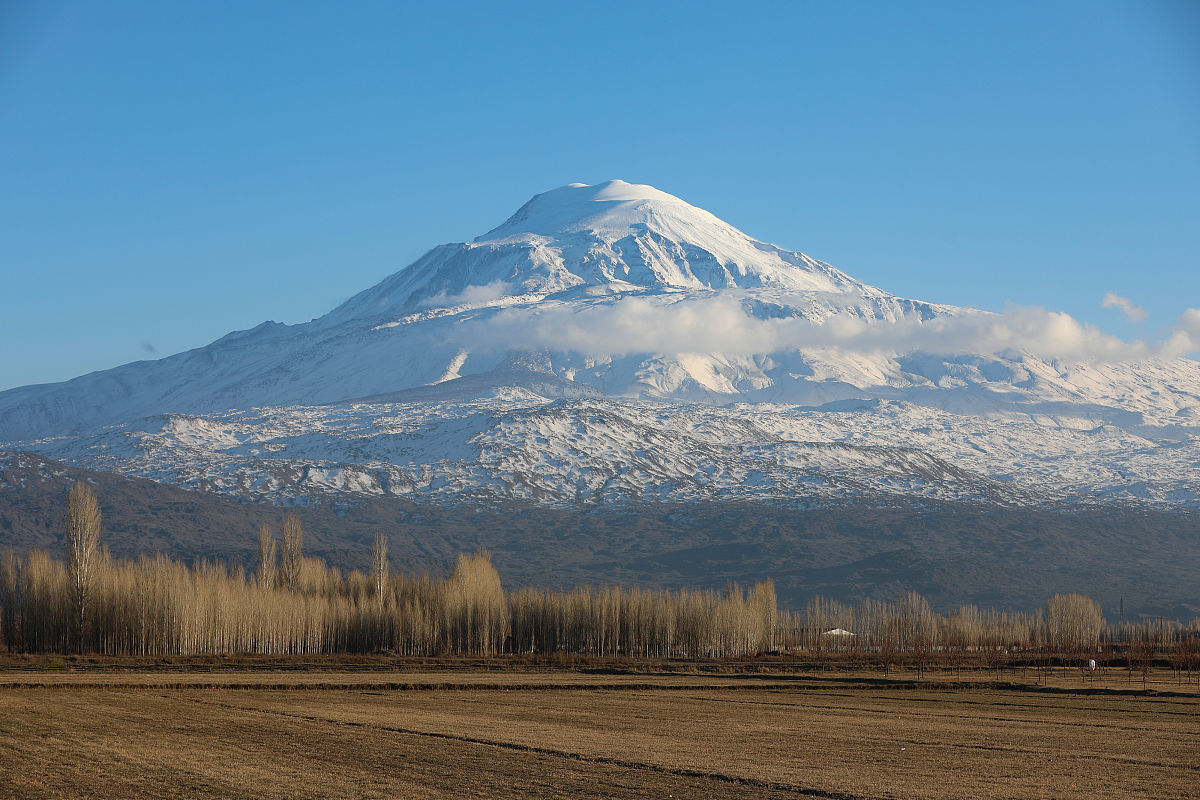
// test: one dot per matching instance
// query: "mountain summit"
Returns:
(624, 236)
(614, 207)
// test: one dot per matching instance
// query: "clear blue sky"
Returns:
(174, 171)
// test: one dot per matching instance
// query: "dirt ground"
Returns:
(488, 734)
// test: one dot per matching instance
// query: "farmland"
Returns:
(367, 729)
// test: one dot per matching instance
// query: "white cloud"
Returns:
(631, 325)
(1132, 313)
(1189, 322)
(1184, 337)
(470, 295)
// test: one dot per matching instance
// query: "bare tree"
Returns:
(477, 609)
(1143, 652)
(83, 551)
(765, 607)
(293, 551)
(10, 582)
(379, 565)
(922, 647)
(266, 557)
(1073, 623)
(1189, 646)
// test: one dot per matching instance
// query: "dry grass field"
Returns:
(556, 733)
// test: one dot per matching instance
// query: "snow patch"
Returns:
(452, 369)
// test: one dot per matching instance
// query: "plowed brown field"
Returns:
(573, 735)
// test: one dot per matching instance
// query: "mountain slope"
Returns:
(519, 365)
(611, 242)
(953, 553)
(518, 445)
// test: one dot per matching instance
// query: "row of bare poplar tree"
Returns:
(1070, 630)
(90, 602)
(156, 606)
(1070, 624)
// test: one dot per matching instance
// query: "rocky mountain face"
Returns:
(613, 343)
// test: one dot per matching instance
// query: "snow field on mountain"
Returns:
(614, 343)
(600, 450)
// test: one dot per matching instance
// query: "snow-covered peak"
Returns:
(612, 207)
(624, 236)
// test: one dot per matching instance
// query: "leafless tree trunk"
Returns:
(10, 582)
(293, 551)
(379, 565)
(922, 646)
(266, 557)
(83, 551)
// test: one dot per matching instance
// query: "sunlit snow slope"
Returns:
(613, 342)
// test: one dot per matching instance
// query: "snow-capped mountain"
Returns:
(611, 343)
(617, 235)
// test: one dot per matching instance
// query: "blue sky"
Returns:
(175, 171)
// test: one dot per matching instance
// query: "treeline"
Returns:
(1070, 624)
(291, 604)
(1070, 630)
(157, 606)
